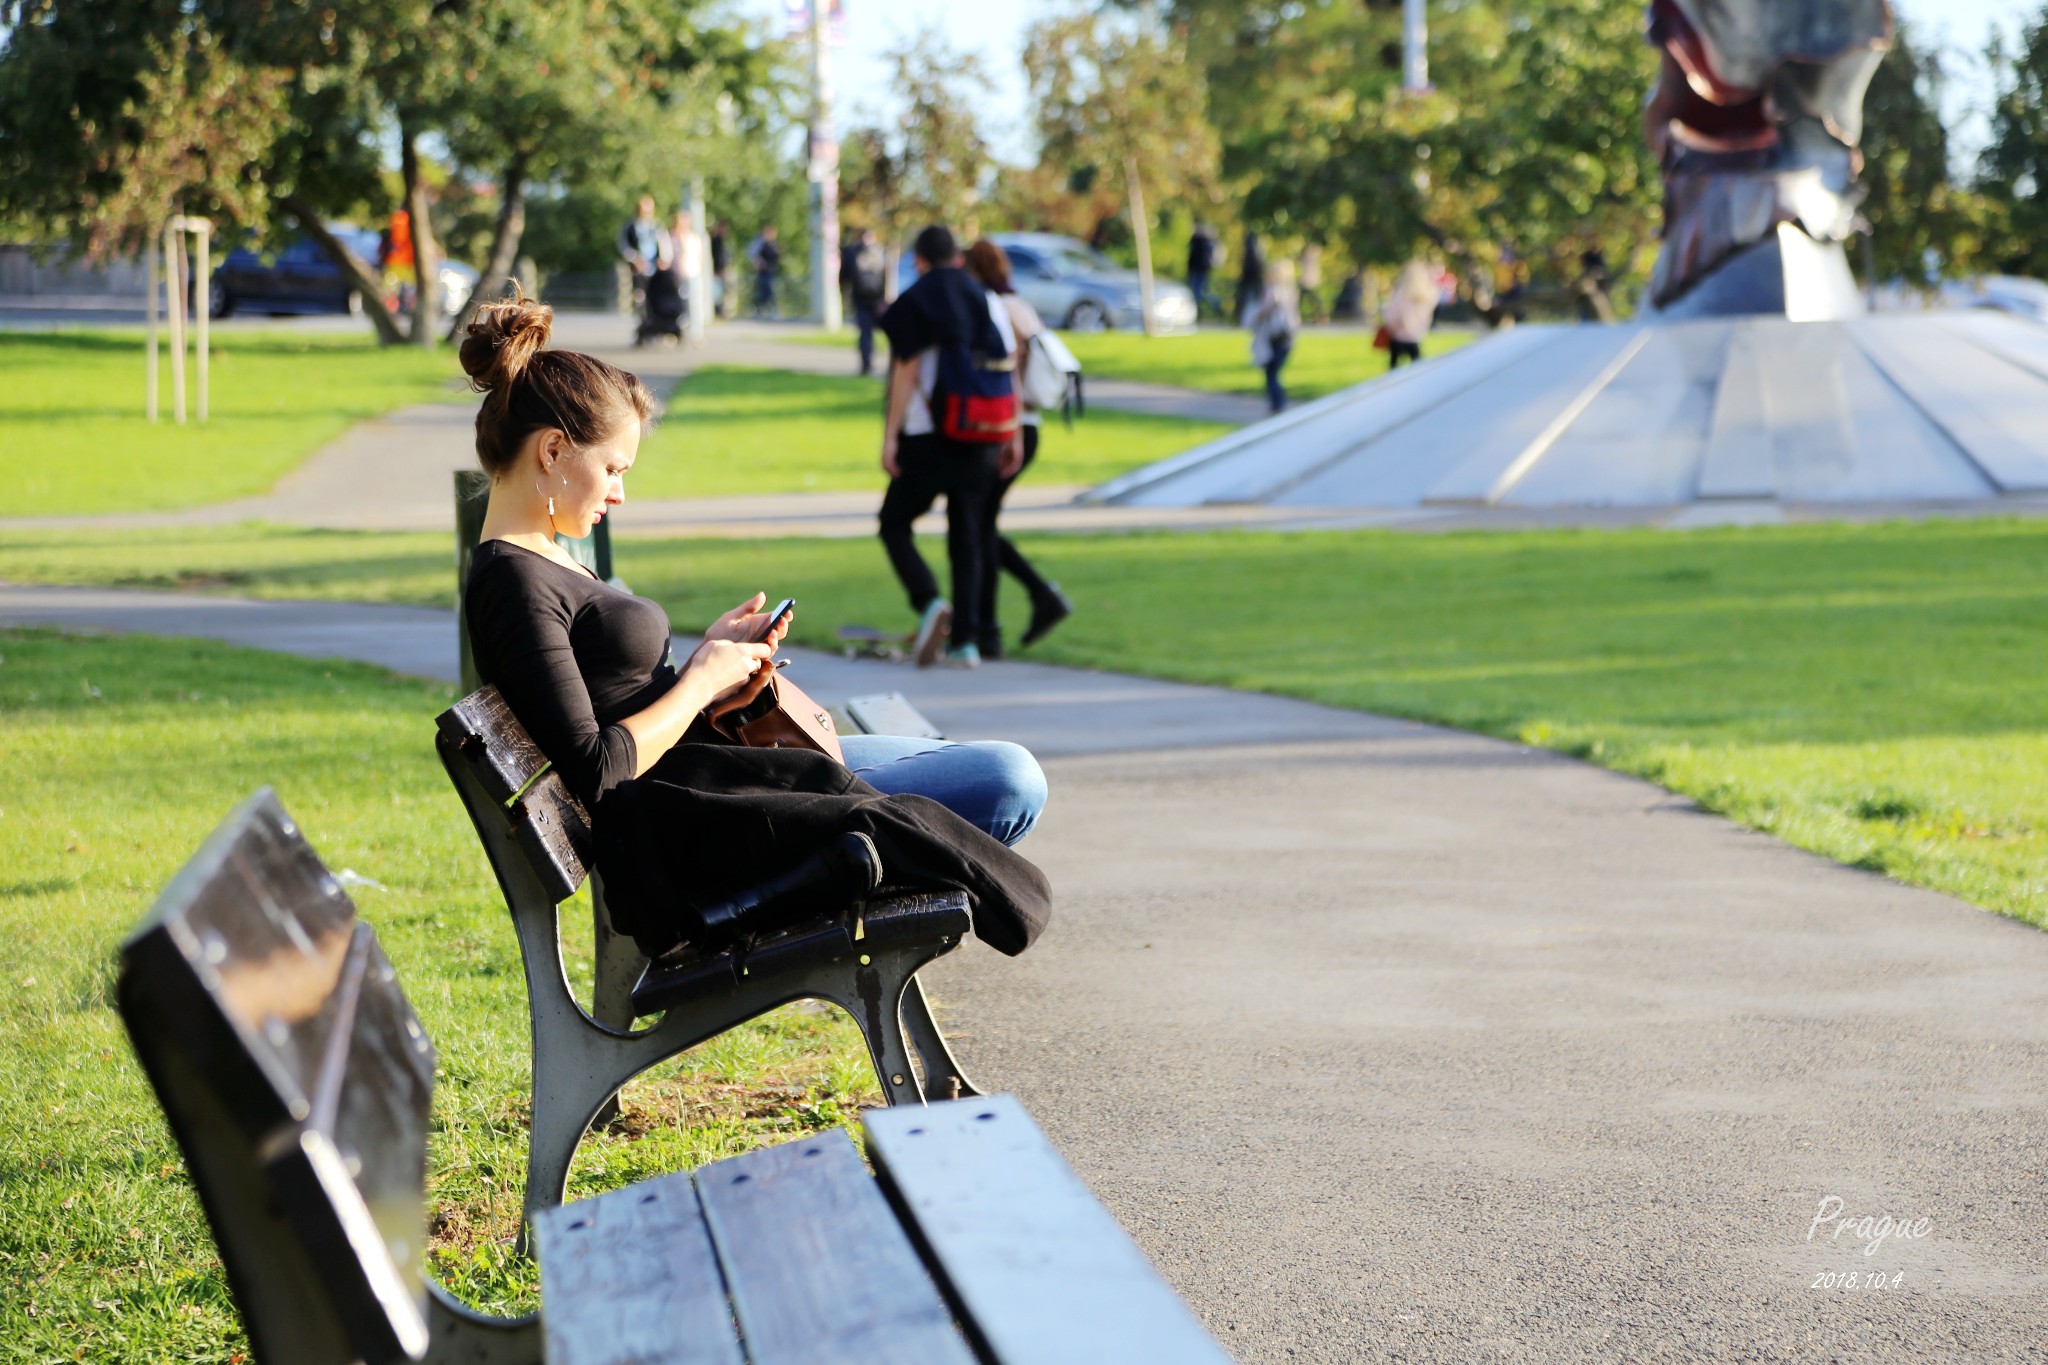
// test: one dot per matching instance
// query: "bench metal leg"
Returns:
(943, 1077)
(579, 1064)
(459, 1335)
(883, 981)
(619, 964)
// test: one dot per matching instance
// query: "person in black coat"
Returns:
(1202, 260)
(1251, 279)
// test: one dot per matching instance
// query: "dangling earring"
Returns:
(551, 509)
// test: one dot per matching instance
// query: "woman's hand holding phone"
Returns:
(727, 667)
(747, 624)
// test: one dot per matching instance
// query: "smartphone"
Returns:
(776, 618)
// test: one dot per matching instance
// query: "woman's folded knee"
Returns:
(1014, 773)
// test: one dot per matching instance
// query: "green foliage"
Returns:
(1923, 226)
(2014, 168)
(1111, 101)
(77, 443)
(734, 431)
(114, 112)
(933, 165)
(1530, 144)
(115, 116)
(126, 752)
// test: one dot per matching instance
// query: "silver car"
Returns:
(1074, 287)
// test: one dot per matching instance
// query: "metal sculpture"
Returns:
(1755, 117)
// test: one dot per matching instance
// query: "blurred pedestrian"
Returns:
(990, 266)
(641, 246)
(1201, 261)
(765, 255)
(686, 262)
(945, 315)
(1350, 304)
(723, 269)
(1251, 279)
(1410, 312)
(1274, 321)
(864, 274)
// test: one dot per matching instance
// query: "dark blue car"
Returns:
(298, 278)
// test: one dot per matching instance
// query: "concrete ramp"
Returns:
(1903, 408)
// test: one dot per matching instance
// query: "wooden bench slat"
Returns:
(630, 1278)
(508, 758)
(480, 736)
(817, 1265)
(1042, 1272)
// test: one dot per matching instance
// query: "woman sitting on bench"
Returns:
(699, 840)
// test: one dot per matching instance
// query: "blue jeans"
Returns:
(1276, 395)
(995, 786)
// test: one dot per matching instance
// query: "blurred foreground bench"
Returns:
(299, 1082)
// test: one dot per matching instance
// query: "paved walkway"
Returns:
(1392, 1042)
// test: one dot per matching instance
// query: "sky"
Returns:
(995, 30)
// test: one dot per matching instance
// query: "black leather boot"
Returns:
(845, 870)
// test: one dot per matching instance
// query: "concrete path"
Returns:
(1389, 1042)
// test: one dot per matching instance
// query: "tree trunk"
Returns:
(426, 257)
(504, 242)
(1143, 229)
(359, 272)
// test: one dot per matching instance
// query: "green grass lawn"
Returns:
(73, 439)
(730, 431)
(1869, 692)
(122, 754)
(1219, 359)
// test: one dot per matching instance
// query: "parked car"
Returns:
(300, 278)
(1077, 288)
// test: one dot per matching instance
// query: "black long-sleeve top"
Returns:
(571, 656)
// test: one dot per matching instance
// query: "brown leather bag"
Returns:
(783, 717)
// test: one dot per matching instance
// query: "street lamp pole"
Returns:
(1415, 47)
(824, 174)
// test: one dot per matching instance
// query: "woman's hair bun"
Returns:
(503, 338)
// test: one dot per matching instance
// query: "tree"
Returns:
(1529, 148)
(308, 96)
(1112, 100)
(941, 159)
(1922, 225)
(649, 82)
(111, 123)
(2013, 173)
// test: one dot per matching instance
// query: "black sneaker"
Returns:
(1046, 614)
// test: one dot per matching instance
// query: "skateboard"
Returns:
(867, 642)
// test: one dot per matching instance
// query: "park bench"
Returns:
(298, 1081)
(537, 837)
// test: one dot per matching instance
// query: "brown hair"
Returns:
(527, 388)
(990, 264)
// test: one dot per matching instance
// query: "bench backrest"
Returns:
(507, 785)
(298, 1081)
